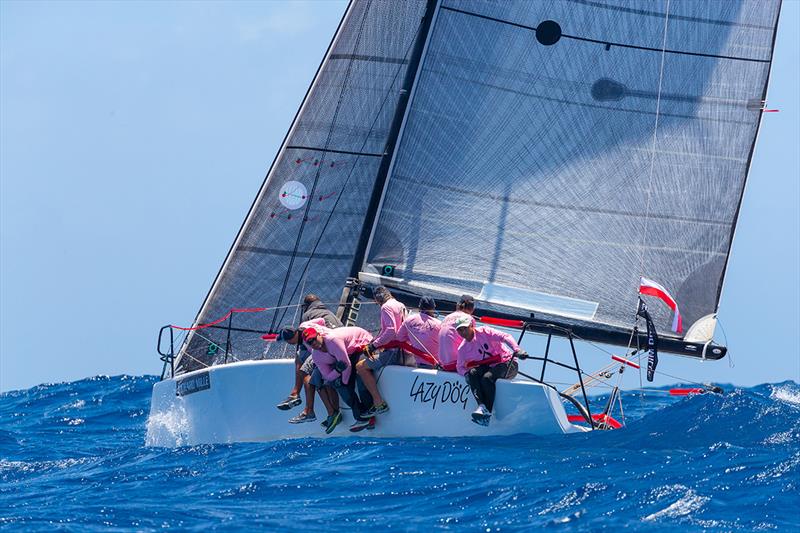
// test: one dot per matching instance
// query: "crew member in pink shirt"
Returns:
(308, 373)
(484, 356)
(335, 352)
(449, 339)
(393, 313)
(421, 331)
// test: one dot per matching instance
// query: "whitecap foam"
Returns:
(781, 469)
(168, 428)
(35, 467)
(787, 394)
(685, 505)
(574, 497)
(784, 437)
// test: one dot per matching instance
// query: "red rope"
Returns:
(504, 322)
(428, 358)
(229, 313)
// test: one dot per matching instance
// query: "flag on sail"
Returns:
(651, 288)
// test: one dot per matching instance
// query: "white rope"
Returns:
(655, 132)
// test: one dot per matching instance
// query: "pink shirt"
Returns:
(422, 332)
(339, 343)
(449, 339)
(487, 342)
(392, 315)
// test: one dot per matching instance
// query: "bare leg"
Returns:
(309, 388)
(334, 398)
(324, 394)
(298, 380)
(368, 378)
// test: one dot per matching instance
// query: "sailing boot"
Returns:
(481, 415)
(332, 421)
(289, 402)
(378, 409)
(360, 425)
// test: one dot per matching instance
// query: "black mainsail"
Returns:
(556, 152)
(547, 155)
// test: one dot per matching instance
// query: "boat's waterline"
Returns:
(236, 403)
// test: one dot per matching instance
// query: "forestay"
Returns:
(556, 151)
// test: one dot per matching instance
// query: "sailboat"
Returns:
(550, 158)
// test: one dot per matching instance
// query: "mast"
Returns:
(401, 112)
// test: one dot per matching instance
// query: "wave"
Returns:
(72, 456)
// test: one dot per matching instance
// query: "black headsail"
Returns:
(303, 227)
(556, 152)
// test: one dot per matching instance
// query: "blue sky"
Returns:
(134, 136)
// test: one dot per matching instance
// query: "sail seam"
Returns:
(591, 106)
(374, 59)
(288, 253)
(517, 200)
(332, 151)
(701, 20)
(608, 43)
(561, 238)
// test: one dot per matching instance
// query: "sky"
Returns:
(134, 136)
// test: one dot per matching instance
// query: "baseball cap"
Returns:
(310, 334)
(288, 333)
(464, 321)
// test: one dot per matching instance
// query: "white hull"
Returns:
(238, 405)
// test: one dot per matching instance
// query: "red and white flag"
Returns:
(651, 288)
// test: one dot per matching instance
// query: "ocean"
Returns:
(73, 458)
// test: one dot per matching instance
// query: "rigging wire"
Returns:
(638, 360)
(353, 167)
(345, 79)
(731, 363)
(655, 138)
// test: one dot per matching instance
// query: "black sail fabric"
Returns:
(302, 231)
(555, 151)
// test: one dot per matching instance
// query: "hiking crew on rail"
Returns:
(340, 362)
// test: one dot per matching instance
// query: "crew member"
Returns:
(335, 353)
(311, 378)
(393, 314)
(314, 313)
(484, 356)
(421, 331)
(314, 308)
(449, 339)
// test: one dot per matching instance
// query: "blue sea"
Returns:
(73, 458)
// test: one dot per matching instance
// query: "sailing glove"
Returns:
(340, 366)
(521, 354)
